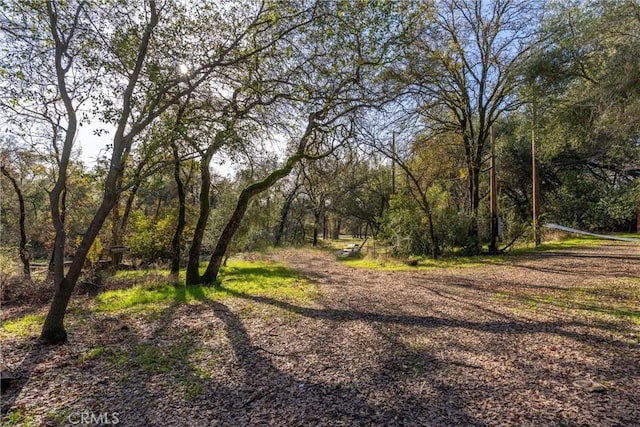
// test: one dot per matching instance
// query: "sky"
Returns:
(91, 145)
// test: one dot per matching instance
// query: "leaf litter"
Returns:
(549, 339)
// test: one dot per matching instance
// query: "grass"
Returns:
(158, 360)
(92, 353)
(238, 278)
(386, 262)
(140, 274)
(257, 278)
(616, 301)
(18, 418)
(24, 326)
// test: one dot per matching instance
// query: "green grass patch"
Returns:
(238, 278)
(160, 360)
(116, 357)
(191, 388)
(92, 353)
(141, 274)
(27, 325)
(453, 261)
(387, 262)
(18, 418)
(569, 243)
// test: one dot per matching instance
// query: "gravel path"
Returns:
(551, 339)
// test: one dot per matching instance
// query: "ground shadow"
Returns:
(562, 328)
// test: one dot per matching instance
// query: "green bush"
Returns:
(404, 227)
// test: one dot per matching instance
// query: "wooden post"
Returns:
(535, 196)
(493, 246)
(393, 162)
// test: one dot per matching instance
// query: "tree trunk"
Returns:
(211, 273)
(53, 331)
(336, 228)
(24, 253)
(193, 263)
(284, 212)
(177, 235)
(316, 225)
(116, 236)
(62, 207)
(121, 222)
(474, 194)
(324, 227)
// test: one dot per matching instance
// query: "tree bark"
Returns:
(182, 207)
(316, 225)
(284, 212)
(116, 236)
(193, 263)
(53, 331)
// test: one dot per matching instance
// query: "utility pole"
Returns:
(393, 162)
(493, 246)
(535, 196)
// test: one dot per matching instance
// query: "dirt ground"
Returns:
(550, 339)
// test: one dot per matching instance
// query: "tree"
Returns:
(585, 80)
(320, 181)
(129, 51)
(461, 71)
(289, 194)
(5, 169)
(328, 82)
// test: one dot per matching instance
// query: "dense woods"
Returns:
(234, 126)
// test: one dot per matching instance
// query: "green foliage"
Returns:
(583, 202)
(149, 238)
(18, 418)
(91, 354)
(157, 360)
(404, 228)
(95, 252)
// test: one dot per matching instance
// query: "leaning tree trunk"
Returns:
(211, 273)
(53, 331)
(24, 254)
(116, 236)
(62, 208)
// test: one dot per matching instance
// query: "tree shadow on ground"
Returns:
(36, 354)
(562, 328)
(272, 395)
(254, 390)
